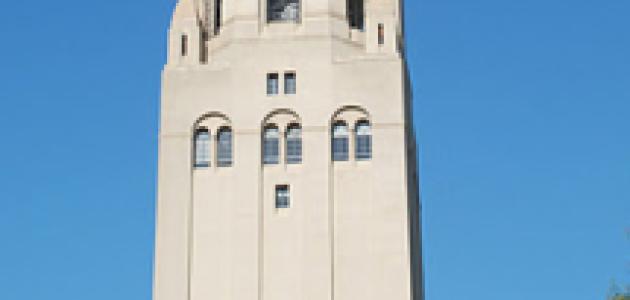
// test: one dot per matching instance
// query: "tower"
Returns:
(287, 159)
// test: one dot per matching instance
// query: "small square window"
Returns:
(283, 197)
(290, 83)
(272, 83)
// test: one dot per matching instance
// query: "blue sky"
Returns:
(522, 110)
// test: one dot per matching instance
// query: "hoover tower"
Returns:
(287, 158)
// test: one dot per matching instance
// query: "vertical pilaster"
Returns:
(171, 279)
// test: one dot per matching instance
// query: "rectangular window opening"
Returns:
(283, 197)
(224, 149)
(202, 149)
(381, 34)
(294, 150)
(290, 83)
(271, 152)
(355, 13)
(217, 17)
(364, 148)
(273, 83)
(184, 45)
(271, 148)
(340, 149)
(283, 11)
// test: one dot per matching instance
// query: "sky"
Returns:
(522, 111)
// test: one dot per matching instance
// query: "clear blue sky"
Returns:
(522, 110)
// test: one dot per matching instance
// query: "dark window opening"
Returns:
(290, 83)
(283, 10)
(340, 142)
(381, 34)
(355, 13)
(202, 148)
(184, 45)
(283, 196)
(271, 145)
(363, 144)
(217, 16)
(224, 147)
(294, 144)
(273, 84)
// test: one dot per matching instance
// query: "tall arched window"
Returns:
(271, 143)
(340, 142)
(283, 10)
(202, 148)
(224, 147)
(294, 144)
(363, 135)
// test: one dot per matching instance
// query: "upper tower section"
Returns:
(201, 28)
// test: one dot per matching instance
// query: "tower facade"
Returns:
(287, 159)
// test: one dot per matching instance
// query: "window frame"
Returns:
(273, 20)
(184, 45)
(355, 13)
(381, 34)
(225, 152)
(218, 16)
(273, 90)
(282, 196)
(267, 158)
(290, 76)
(293, 144)
(199, 154)
(338, 156)
(363, 144)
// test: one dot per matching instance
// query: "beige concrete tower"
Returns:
(287, 160)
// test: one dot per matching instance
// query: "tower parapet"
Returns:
(200, 28)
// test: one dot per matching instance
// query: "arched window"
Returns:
(294, 144)
(340, 143)
(283, 10)
(363, 135)
(271, 141)
(202, 148)
(224, 147)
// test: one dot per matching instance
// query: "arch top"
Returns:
(351, 114)
(212, 121)
(212, 114)
(282, 117)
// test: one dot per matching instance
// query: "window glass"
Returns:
(283, 10)
(271, 140)
(290, 83)
(217, 16)
(272, 84)
(340, 143)
(294, 144)
(184, 45)
(381, 34)
(363, 140)
(283, 196)
(202, 148)
(355, 14)
(224, 147)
